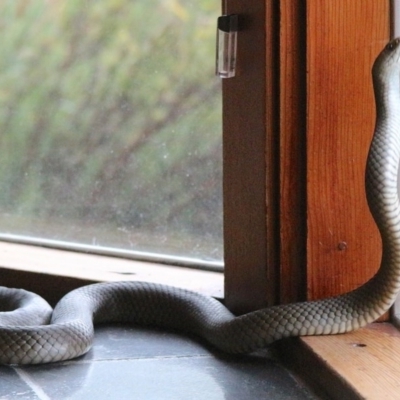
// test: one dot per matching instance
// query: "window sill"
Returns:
(60, 271)
(364, 364)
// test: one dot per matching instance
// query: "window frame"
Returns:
(245, 226)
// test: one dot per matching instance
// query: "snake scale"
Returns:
(67, 332)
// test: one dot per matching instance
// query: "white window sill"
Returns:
(101, 268)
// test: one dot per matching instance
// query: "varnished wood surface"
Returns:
(292, 201)
(52, 273)
(364, 364)
(272, 153)
(343, 39)
(244, 138)
(315, 151)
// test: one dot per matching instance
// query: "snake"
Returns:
(31, 332)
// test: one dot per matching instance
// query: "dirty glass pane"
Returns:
(110, 122)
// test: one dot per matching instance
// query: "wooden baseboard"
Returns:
(364, 364)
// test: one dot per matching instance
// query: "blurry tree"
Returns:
(110, 122)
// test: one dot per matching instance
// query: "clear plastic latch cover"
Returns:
(226, 46)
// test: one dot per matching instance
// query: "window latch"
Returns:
(227, 28)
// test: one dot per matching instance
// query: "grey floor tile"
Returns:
(120, 342)
(195, 378)
(13, 387)
(130, 363)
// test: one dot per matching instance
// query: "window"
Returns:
(245, 253)
(111, 128)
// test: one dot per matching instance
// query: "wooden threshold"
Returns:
(364, 364)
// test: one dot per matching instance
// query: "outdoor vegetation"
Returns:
(110, 119)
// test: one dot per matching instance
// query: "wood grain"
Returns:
(368, 359)
(272, 153)
(244, 138)
(358, 365)
(52, 273)
(292, 149)
(343, 39)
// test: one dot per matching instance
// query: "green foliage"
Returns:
(110, 123)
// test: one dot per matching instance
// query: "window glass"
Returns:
(110, 119)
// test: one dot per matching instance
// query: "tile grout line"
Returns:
(32, 384)
(139, 358)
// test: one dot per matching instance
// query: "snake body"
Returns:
(70, 330)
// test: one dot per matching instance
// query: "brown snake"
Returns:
(70, 331)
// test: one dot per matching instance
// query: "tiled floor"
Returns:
(136, 363)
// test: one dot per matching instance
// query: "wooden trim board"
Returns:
(249, 285)
(53, 273)
(364, 364)
(343, 244)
